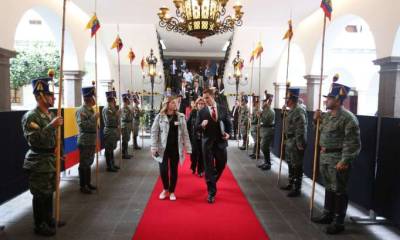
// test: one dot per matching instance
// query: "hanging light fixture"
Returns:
(201, 18)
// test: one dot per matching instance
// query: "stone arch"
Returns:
(53, 21)
(350, 47)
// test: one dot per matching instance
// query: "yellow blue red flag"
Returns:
(289, 33)
(117, 44)
(326, 6)
(93, 25)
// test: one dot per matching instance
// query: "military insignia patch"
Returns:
(34, 125)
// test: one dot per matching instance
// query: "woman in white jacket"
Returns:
(169, 136)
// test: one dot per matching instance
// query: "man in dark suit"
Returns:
(215, 123)
(235, 116)
(184, 92)
(197, 90)
(174, 71)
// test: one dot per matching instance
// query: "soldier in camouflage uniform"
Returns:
(295, 141)
(86, 119)
(111, 130)
(340, 145)
(126, 124)
(244, 121)
(267, 129)
(136, 121)
(255, 134)
(39, 126)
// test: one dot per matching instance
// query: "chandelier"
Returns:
(200, 18)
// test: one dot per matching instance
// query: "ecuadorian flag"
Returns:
(117, 44)
(93, 25)
(326, 5)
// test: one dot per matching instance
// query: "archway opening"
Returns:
(37, 41)
(350, 51)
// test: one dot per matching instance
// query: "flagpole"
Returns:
(284, 113)
(257, 143)
(315, 161)
(97, 111)
(120, 102)
(59, 112)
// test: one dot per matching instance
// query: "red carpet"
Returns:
(191, 217)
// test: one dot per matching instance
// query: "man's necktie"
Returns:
(214, 114)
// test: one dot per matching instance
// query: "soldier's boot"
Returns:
(36, 212)
(337, 225)
(298, 177)
(243, 147)
(113, 161)
(109, 161)
(50, 220)
(135, 143)
(81, 178)
(82, 182)
(267, 161)
(289, 186)
(327, 216)
(41, 227)
(125, 154)
(89, 180)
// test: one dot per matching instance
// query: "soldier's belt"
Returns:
(111, 127)
(331, 150)
(127, 121)
(89, 132)
(268, 126)
(42, 150)
(290, 135)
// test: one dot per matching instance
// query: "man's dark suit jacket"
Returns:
(212, 133)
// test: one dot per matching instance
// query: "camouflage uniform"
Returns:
(136, 125)
(267, 129)
(295, 139)
(40, 161)
(86, 121)
(339, 142)
(253, 129)
(111, 134)
(244, 124)
(126, 129)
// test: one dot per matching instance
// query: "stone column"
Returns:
(72, 88)
(5, 96)
(280, 91)
(389, 86)
(313, 86)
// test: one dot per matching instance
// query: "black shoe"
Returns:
(138, 148)
(116, 167)
(91, 187)
(335, 228)
(325, 218)
(266, 167)
(60, 223)
(111, 169)
(127, 156)
(45, 230)
(287, 187)
(85, 190)
(242, 148)
(210, 199)
(294, 193)
(252, 155)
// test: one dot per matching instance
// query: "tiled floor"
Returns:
(114, 212)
